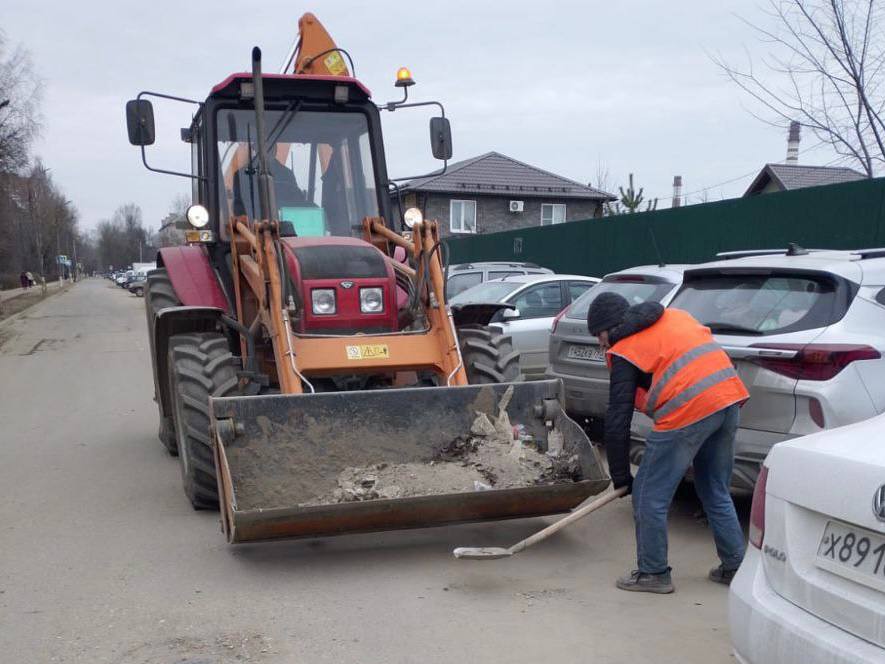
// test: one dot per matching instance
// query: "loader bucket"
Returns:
(280, 459)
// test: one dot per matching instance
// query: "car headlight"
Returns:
(197, 216)
(323, 301)
(371, 300)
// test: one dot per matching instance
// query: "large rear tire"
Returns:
(200, 366)
(488, 354)
(159, 294)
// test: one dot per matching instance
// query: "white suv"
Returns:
(806, 333)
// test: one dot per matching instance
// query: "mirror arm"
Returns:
(392, 106)
(146, 93)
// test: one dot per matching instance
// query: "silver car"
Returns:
(537, 299)
(806, 333)
(467, 275)
(574, 353)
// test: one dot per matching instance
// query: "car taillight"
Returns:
(757, 510)
(556, 320)
(815, 361)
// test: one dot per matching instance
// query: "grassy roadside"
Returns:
(9, 308)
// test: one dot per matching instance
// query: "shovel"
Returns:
(495, 552)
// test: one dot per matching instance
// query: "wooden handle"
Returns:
(566, 520)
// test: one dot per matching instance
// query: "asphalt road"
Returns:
(103, 560)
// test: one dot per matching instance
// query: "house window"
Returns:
(552, 213)
(462, 216)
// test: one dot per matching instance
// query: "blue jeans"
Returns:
(709, 446)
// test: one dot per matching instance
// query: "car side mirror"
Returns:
(140, 122)
(510, 314)
(441, 138)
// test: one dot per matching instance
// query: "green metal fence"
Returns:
(843, 216)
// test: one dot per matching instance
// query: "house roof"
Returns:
(796, 176)
(496, 174)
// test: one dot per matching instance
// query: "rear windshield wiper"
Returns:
(730, 328)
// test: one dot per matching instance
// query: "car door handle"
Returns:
(743, 352)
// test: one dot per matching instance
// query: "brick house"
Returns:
(493, 192)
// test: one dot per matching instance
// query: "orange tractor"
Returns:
(299, 332)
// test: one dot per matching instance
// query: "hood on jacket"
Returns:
(636, 318)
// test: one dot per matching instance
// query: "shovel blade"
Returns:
(481, 553)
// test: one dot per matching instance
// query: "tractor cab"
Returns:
(324, 153)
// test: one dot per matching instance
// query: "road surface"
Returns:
(103, 560)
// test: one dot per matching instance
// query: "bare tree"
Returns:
(824, 70)
(20, 92)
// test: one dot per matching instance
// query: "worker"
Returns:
(665, 363)
(287, 193)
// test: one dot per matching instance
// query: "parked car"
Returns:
(537, 299)
(574, 353)
(136, 285)
(806, 333)
(467, 275)
(811, 588)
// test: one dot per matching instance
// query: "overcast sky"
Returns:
(565, 86)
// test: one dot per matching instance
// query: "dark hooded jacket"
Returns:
(625, 379)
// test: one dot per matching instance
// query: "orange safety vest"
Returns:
(692, 377)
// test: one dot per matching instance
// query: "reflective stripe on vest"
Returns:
(692, 377)
(687, 395)
(682, 361)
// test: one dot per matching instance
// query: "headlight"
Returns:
(371, 300)
(323, 300)
(412, 216)
(197, 216)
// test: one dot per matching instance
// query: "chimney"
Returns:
(793, 143)
(677, 190)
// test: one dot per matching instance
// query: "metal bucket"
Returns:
(279, 457)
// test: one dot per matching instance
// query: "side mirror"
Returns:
(441, 138)
(510, 314)
(140, 122)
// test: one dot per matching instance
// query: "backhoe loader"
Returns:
(300, 332)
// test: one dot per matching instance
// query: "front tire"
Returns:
(200, 366)
(488, 355)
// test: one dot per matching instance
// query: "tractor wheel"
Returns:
(201, 365)
(159, 294)
(488, 354)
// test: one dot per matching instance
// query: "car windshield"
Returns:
(634, 291)
(321, 164)
(489, 291)
(758, 304)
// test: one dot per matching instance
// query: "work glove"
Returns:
(623, 481)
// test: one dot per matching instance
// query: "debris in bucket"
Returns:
(496, 455)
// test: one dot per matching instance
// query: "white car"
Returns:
(811, 588)
(806, 333)
(537, 299)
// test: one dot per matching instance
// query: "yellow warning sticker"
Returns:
(335, 64)
(368, 352)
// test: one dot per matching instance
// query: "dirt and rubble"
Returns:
(494, 454)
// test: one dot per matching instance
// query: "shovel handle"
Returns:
(579, 513)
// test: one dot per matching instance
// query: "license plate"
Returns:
(589, 353)
(368, 352)
(855, 553)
